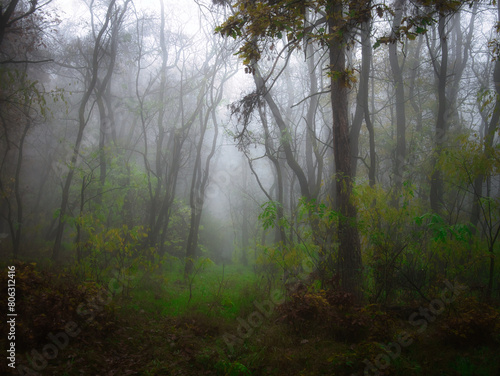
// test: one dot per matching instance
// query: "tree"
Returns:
(114, 16)
(445, 10)
(201, 174)
(399, 102)
(23, 103)
(362, 105)
(349, 248)
(25, 107)
(167, 163)
(481, 204)
(12, 13)
(258, 24)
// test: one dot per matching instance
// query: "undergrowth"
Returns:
(154, 329)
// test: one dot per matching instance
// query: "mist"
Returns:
(269, 187)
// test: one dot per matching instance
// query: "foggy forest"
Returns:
(250, 187)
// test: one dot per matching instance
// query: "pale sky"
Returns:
(185, 11)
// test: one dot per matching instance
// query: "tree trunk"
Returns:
(16, 231)
(290, 158)
(83, 117)
(436, 190)
(362, 111)
(199, 181)
(314, 173)
(478, 182)
(397, 76)
(350, 248)
(82, 122)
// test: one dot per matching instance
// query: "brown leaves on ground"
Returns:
(334, 312)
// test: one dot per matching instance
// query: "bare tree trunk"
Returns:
(414, 72)
(102, 151)
(436, 190)
(201, 174)
(397, 76)
(199, 184)
(362, 108)
(290, 158)
(157, 210)
(280, 234)
(16, 231)
(245, 233)
(83, 119)
(350, 248)
(314, 173)
(477, 206)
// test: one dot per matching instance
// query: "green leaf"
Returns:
(421, 30)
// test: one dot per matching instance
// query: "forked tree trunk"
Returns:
(82, 121)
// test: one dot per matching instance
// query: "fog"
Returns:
(352, 144)
(130, 120)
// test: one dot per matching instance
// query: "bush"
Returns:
(334, 312)
(471, 323)
(45, 303)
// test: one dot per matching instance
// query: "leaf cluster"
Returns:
(243, 110)
(258, 22)
(424, 15)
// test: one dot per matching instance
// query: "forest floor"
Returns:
(65, 327)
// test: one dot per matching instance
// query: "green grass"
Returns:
(477, 363)
(219, 291)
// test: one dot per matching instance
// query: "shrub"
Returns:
(334, 312)
(471, 323)
(48, 302)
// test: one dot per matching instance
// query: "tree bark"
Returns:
(397, 76)
(478, 181)
(199, 184)
(349, 249)
(436, 190)
(362, 107)
(285, 131)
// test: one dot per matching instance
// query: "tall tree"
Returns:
(23, 103)
(114, 16)
(201, 171)
(165, 117)
(399, 91)
(258, 23)
(12, 13)
(362, 105)
(479, 205)
(350, 248)
(445, 11)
